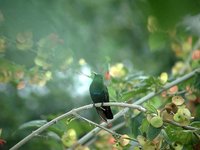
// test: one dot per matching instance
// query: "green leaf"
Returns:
(150, 81)
(166, 137)
(136, 123)
(150, 108)
(195, 124)
(33, 124)
(177, 134)
(59, 127)
(153, 132)
(153, 83)
(144, 126)
(55, 130)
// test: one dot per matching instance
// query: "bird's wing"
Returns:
(106, 94)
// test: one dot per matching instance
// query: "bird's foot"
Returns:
(102, 106)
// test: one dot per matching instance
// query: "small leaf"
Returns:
(60, 127)
(156, 122)
(166, 137)
(177, 100)
(141, 140)
(196, 124)
(33, 124)
(144, 126)
(124, 140)
(179, 135)
(136, 148)
(152, 83)
(153, 132)
(177, 146)
(150, 108)
(53, 135)
(136, 122)
(190, 97)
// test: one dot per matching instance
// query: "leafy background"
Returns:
(44, 45)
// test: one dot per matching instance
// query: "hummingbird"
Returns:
(99, 94)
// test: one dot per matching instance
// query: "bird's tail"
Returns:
(105, 113)
(108, 112)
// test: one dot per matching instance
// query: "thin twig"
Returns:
(179, 125)
(45, 126)
(197, 135)
(116, 135)
(90, 134)
(81, 73)
(120, 125)
(95, 124)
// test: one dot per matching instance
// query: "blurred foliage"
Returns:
(49, 48)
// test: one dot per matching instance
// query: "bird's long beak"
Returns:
(94, 73)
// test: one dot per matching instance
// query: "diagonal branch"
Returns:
(90, 134)
(179, 125)
(50, 123)
(122, 124)
(97, 125)
(116, 135)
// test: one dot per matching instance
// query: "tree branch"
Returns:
(97, 125)
(179, 125)
(90, 134)
(116, 135)
(45, 126)
(135, 105)
(120, 125)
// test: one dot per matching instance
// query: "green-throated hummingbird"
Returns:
(99, 94)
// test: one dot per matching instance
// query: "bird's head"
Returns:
(97, 77)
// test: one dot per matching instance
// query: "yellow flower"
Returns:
(118, 70)
(69, 138)
(177, 67)
(163, 77)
